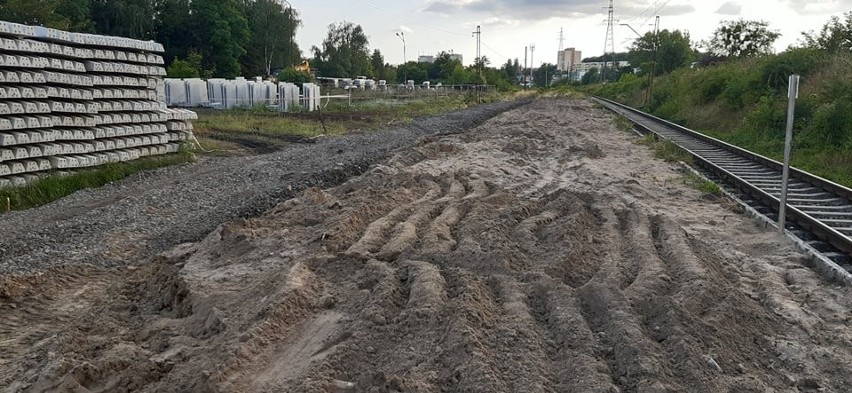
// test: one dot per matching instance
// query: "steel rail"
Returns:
(818, 205)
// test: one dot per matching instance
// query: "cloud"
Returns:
(402, 29)
(547, 9)
(817, 7)
(730, 8)
(494, 21)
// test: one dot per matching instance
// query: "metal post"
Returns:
(793, 94)
(401, 36)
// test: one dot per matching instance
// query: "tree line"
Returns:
(207, 38)
(665, 51)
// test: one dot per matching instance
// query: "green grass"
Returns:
(54, 187)
(703, 185)
(622, 123)
(666, 150)
(226, 131)
(242, 120)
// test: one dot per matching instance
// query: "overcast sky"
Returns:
(431, 26)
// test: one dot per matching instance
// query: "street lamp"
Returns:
(401, 36)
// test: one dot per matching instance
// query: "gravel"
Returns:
(130, 221)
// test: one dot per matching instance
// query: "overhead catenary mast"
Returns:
(609, 41)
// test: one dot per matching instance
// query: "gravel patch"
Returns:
(127, 222)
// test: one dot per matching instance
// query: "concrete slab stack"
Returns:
(288, 97)
(310, 96)
(241, 93)
(71, 101)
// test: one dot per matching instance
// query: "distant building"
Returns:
(581, 69)
(568, 59)
(431, 59)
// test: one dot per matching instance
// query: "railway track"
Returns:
(819, 211)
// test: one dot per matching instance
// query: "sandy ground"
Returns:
(544, 251)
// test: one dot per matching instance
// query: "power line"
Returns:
(494, 50)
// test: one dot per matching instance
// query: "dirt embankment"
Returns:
(543, 251)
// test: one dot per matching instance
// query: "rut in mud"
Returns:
(543, 251)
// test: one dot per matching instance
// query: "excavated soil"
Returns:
(543, 251)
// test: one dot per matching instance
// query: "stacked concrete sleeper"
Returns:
(71, 101)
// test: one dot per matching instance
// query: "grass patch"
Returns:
(701, 184)
(230, 131)
(243, 120)
(666, 150)
(52, 188)
(622, 123)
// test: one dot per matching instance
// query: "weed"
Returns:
(701, 184)
(622, 123)
(54, 187)
(670, 152)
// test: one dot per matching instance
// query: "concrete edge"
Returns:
(824, 266)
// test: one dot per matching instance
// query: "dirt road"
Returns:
(543, 251)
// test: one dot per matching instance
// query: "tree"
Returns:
(174, 29)
(57, 14)
(512, 69)
(78, 14)
(443, 67)
(743, 38)
(182, 69)
(377, 61)
(125, 18)
(835, 36)
(544, 74)
(591, 76)
(273, 30)
(221, 33)
(621, 56)
(344, 53)
(418, 72)
(674, 50)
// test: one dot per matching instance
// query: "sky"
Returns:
(508, 26)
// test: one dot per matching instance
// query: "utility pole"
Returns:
(609, 41)
(478, 35)
(653, 62)
(532, 62)
(561, 54)
(526, 56)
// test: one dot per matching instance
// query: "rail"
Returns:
(820, 206)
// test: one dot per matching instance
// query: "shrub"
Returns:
(182, 69)
(294, 76)
(776, 70)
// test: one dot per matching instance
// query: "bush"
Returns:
(182, 69)
(295, 76)
(776, 70)
(710, 83)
